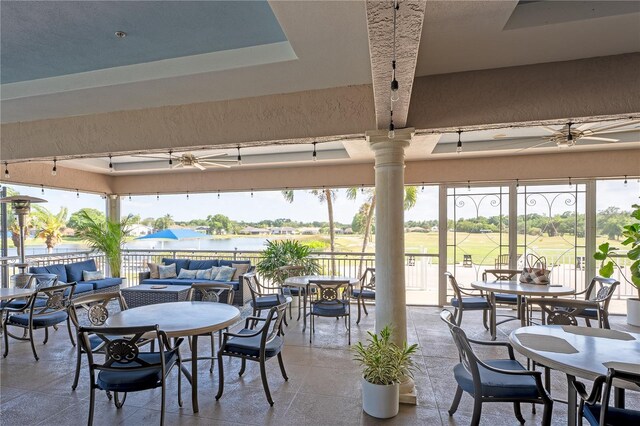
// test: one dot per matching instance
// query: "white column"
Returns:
(391, 304)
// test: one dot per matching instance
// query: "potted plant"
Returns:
(107, 236)
(606, 254)
(285, 252)
(385, 366)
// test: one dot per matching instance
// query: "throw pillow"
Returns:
(214, 272)
(203, 274)
(92, 275)
(186, 274)
(225, 273)
(153, 269)
(241, 269)
(167, 271)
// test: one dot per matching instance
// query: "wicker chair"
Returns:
(54, 302)
(469, 302)
(205, 292)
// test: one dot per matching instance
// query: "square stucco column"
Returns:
(390, 276)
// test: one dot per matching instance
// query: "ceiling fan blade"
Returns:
(175, 166)
(596, 138)
(200, 166)
(549, 129)
(534, 146)
(611, 127)
(210, 163)
(585, 126)
(220, 154)
(151, 156)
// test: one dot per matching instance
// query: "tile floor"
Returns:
(323, 386)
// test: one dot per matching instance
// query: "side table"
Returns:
(144, 294)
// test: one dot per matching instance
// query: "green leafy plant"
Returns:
(606, 253)
(385, 363)
(286, 252)
(107, 236)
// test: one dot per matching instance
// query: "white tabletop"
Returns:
(303, 280)
(179, 319)
(579, 351)
(516, 287)
(12, 293)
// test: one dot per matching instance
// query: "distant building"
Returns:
(309, 231)
(250, 230)
(417, 229)
(348, 231)
(139, 230)
(283, 230)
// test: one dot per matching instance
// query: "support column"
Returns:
(391, 306)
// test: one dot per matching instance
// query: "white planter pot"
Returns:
(381, 401)
(633, 312)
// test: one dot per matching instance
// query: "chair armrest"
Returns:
(596, 390)
(246, 321)
(490, 343)
(470, 291)
(226, 334)
(143, 276)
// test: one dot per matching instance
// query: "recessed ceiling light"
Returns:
(121, 34)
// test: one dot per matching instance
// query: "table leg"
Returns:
(572, 400)
(304, 309)
(493, 320)
(618, 397)
(194, 373)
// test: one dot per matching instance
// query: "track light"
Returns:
(459, 146)
(315, 154)
(6, 170)
(239, 157)
(54, 171)
(110, 164)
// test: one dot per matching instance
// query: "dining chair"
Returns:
(284, 272)
(264, 297)
(494, 380)
(365, 291)
(257, 345)
(595, 406)
(331, 300)
(219, 293)
(35, 281)
(97, 308)
(471, 301)
(504, 275)
(606, 288)
(124, 368)
(50, 311)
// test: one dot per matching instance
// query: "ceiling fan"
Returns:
(190, 160)
(570, 133)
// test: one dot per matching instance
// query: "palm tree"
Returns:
(323, 195)
(107, 236)
(49, 226)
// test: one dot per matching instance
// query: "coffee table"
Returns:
(146, 294)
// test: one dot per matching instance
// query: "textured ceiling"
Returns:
(46, 39)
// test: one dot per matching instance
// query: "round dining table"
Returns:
(181, 319)
(520, 289)
(14, 293)
(583, 352)
(305, 281)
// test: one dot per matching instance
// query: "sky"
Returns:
(305, 208)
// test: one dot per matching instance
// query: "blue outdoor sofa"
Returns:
(72, 272)
(241, 292)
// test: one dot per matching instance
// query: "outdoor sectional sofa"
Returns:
(72, 272)
(241, 296)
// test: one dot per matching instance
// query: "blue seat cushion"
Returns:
(195, 265)
(329, 309)
(251, 345)
(180, 263)
(471, 303)
(74, 270)
(21, 303)
(81, 288)
(46, 320)
(295, 291)
(615, 416)
(132, 381)
(107, 282)
(366, 294)
(590, 313)
(506, 298)
(175, 281)
(270, 301)
(498, 385)
(58, 269)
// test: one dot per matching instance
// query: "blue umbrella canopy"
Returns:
(173, 234)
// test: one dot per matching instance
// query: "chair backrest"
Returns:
(606, 289)
(502, 260)
(454, 284)
(284, 272)
(97, 308)
(467, 357)
(211, 292)
(500, 274)
(562, 311)
(56, 299)
(607, 381)
(123, 352)
(330, 292)
(255, 288)
(368, 279)
(38, 281)
(273, 324)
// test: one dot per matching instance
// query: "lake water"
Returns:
(227, 244)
